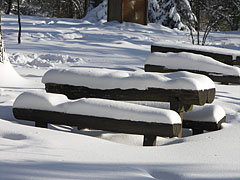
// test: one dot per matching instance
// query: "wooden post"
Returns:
(178, 106)
(149, 140)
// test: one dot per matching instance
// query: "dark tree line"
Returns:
(215, 15)
(49, 8)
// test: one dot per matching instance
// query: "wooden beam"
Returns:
(42, 117)
(187, 97)
(227, 59)
(215, 76)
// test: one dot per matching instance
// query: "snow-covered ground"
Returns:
(61, 152)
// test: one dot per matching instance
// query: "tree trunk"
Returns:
(19, 24)
(9, 6)
(1, 44)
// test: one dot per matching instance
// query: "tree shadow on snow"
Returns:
(111, 171)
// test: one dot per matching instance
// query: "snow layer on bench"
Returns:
(184, 60)
(95, 107)
(211, 49)
(97, 78)
(206, 113)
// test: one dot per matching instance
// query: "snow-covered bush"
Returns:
(172, 13)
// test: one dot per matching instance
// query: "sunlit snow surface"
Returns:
(27, 152)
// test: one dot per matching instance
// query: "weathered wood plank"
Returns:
(227, 59)
(149, 130)
(187, 97)
(217, 77)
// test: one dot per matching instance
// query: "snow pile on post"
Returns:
(95, 107)
(9, 77)
(111, 79)
(191, 61)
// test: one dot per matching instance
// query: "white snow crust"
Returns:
(184, 60)
(96, 107)
(111, 79)
(219, 50)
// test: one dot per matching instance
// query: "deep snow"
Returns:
(61, 152)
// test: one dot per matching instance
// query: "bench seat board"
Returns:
(44, 117)
(198, 126)
(217, 77)
(151, 94)
(227, 59)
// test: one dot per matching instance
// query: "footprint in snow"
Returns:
(13, 136)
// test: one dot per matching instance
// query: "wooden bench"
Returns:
(202, 118)
(172, 62)
(120, 85)
(227, 56)
(99, 114)
(180, 99)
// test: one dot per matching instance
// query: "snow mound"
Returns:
(184, 60)
(95, 107)
(9, 77)
(42, 60)
(110, 79)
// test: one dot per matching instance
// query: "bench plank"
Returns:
(187, 97)
(227, 59)
(198, 127)
(217, 77)
(149, 130)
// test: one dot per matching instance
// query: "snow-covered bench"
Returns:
(181, 89)
(108, 115)
(171, 62)
(227, 56)
(208, 117)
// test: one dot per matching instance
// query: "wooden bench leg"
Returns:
(149, 140)
(41, 124)
(177, 106)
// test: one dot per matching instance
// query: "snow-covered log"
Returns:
(100, 114)
(227, 56)
(183, 61)
(125, 85)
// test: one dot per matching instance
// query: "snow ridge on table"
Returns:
(97, 78)
(95, 107)
(211, 49)
(184, 60)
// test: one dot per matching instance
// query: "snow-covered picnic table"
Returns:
(181, 89)
(184, 87)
